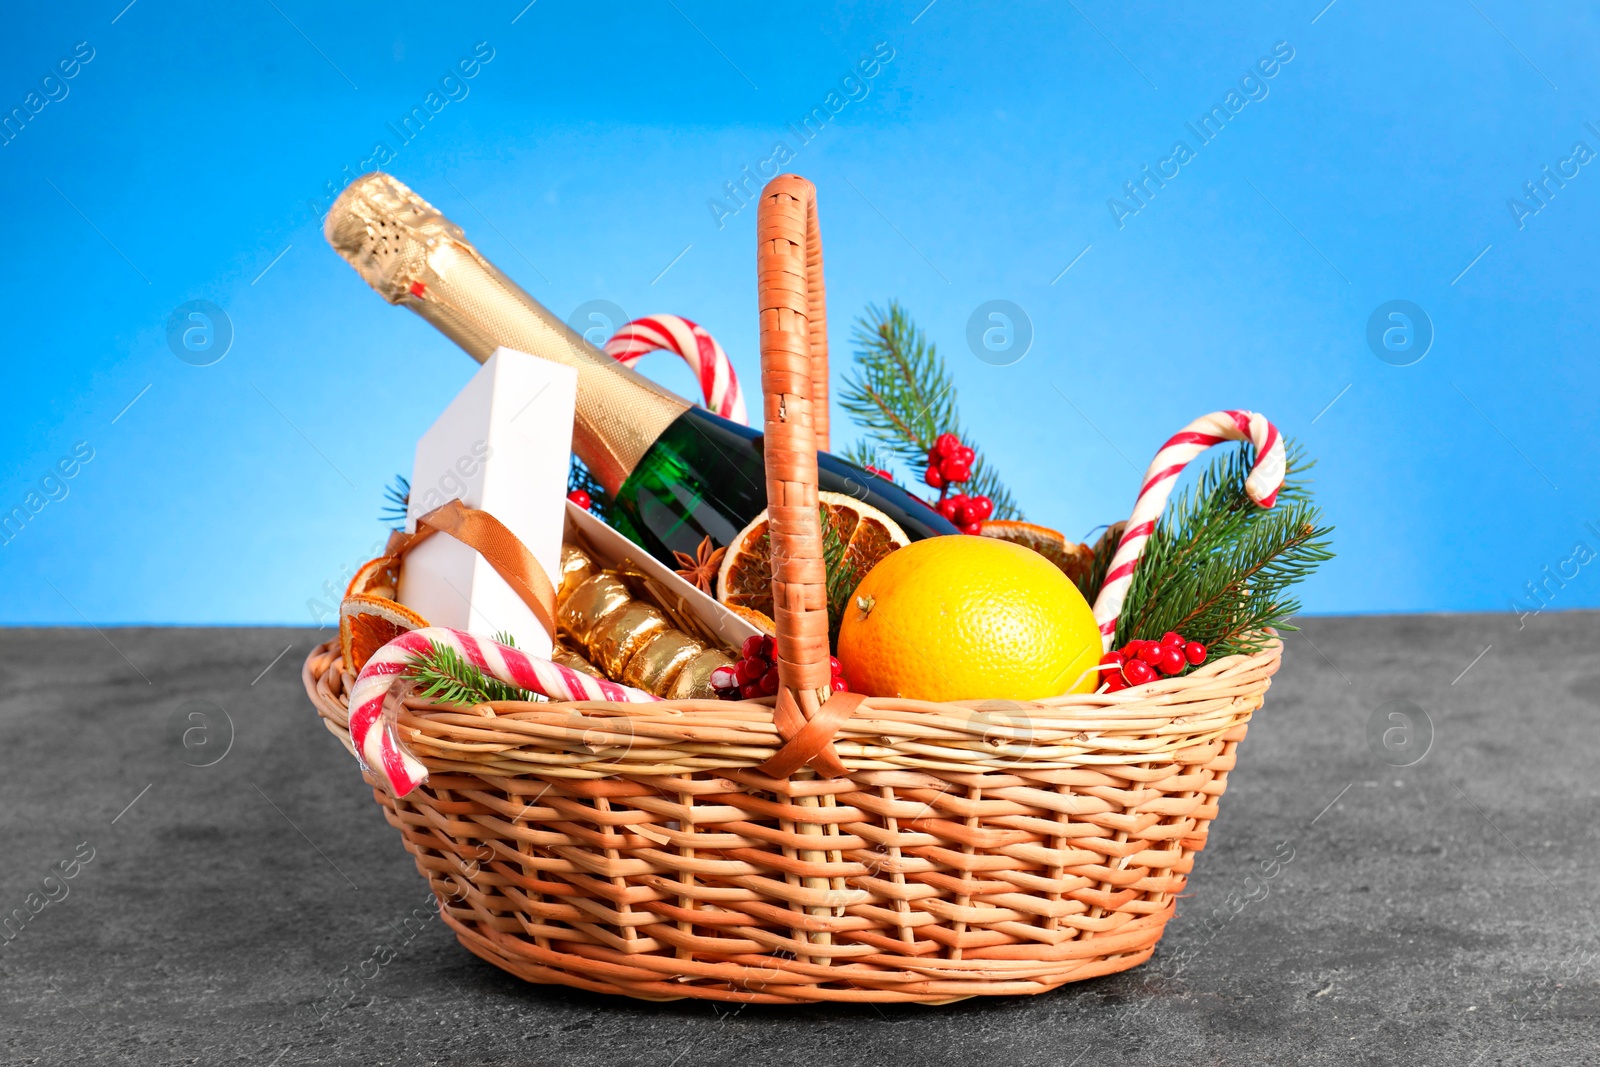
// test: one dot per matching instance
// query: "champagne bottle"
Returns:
(676, 473)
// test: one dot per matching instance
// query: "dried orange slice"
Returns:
(759, 619)
(367, 623)
(369, 617)
(376, 577)
(745, 578)
(1074, 559)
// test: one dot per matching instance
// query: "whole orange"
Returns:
(968, 618)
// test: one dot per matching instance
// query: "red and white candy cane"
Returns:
(1262, 486)
(382, 750)
(699, 349)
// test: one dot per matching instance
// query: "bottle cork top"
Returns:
(384, 230)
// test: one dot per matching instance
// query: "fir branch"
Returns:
(1272, 557)
(839, 582)
(1218, 568)
(444, 676)
(901, 391)
(396, 501)
(1220, 503)
(864, 455)
(903, 397)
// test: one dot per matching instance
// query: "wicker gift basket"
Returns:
(800, 848)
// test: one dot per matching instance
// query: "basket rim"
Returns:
(1171, 720)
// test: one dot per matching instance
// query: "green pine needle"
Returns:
(1218, 568)
(444, 676)
(396, 501)
(840, 582)
(903, 397)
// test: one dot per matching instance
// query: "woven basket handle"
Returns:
(794, 372)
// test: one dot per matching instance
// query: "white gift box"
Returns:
(503, 445)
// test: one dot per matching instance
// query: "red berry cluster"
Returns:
(967, 512)
(1138, 662)
(580, 498)
(756, 673)
(950, 463)
(879, 471)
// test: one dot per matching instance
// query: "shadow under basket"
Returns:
(990, 848)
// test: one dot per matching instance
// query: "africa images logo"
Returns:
(856, 85)
(453, 87)
(52, 486)
(1537, 193)
(1206, 128)
(52, 90)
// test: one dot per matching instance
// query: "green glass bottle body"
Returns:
(705, 477)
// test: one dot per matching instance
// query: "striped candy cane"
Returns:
(382, 750)
(1262, 486)
(699, 349)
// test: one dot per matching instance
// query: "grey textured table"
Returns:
(1441, 913)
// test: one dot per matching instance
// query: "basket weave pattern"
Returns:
(800, 848)
(1002, 848)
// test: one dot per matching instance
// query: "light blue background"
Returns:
(195, 147)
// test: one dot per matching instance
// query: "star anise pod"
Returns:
(700, 569)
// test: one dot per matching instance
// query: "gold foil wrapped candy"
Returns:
(628, 639)
(569, 657)
(622, 634)
(575, 567)
(590, 601)
(654, 667)
(694, 680)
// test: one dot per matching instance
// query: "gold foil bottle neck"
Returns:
(403, 247)
(386, 231)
